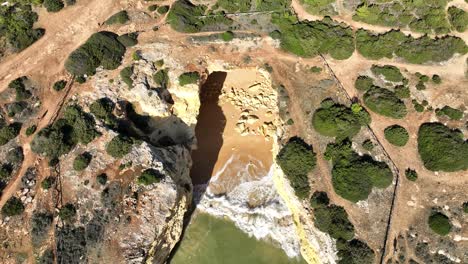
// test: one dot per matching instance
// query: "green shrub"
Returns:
(80, 79)
(420, 86)
(53, 5)
(227, 36)
(396, 135)
(126, 75)
(48, 182)
(368, 145)
(5, 171)
(82, 161)
(60, 85)
(161, 78)
(452, 113)
(119, 146)
(363, 83)
(465, 207)
(319, 199)
(439, 223)
(385, 102)
(311, 38)
(20, 88)
(333, 220)
(59, 138)
(189, 78)
(417, 106)
(402, 91)
(442, 149)
(353, 176)
(67, 212)
(163, 9)
(152, 8)
(30, 130)
(436, 79)
(16, 24)
(389, 72)
(40, 225)
(411, 174)
(13, 207)
(118, 18)
(101, 49)
(102, 109)
(102, 179)
(128, 40)
(458, 18)
(316, 69)
(297, 159)
(354, 252)
(336, 120)
(189, 18)
(9, 132)
(233, 6)
(150, 176)
(272, 5)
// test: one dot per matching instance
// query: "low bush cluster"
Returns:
(363, 83)
(232, 6)
(389, 72)
(67, 212)
(161, 78)
(353, 176)
(385, 102)
(336, 120)
(128, 40)
(441, 148)
(150, 176)
(396, 135)
(297, 159)
(48, 182)
(333, 220)
(13, 207)
(319, 199)
(439, 223)
(60, 85)
(118, 18)
(82, 161)
(59, 138)
(9, 132)
(119, 146)
(450, 112)
(189, 78)
(102, 178)
(40, 225)
(354, 252)
(103, 109)
(458, 18)
(411, 174)
(101, 49)
(53, 5)
(20, 88)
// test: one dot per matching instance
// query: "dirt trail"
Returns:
(65, 31)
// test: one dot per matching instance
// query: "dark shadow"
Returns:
(210, 126)
(209, 133)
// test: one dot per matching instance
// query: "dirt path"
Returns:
(65, 31)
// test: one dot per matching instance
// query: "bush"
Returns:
(67, 212)
(20, 88)
(53, 5)
(396, 135)
(119, 146)
(126, 75)
(336, 120)
(420, 86)
(319, 199)
(458, 18)
(101, 49)
(128, 40)
(189, 78)
(385, 102)
(161, 78)
(297, 159)
(48, 182)
(353, 176)
(232, 6)
(333, 220)
(436, 79)
(368, 145)
(452, 113)
(389, 72)
(363, 83)
(118, 18)
(311, 38)
(150, 176)
(402, 91)
(13, 207)
(9, 132)
(82, 161)
(16, 23)
(354, 252)
(30, 130)
(102, 109)
(465, 207)
(58, 86)
(5, 171)
(439, 223)
(40, 225)
(163, 9)
(442, 149)
(102, 179)
(411, 175)
(227, 36)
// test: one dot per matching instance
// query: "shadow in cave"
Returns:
(209, 130)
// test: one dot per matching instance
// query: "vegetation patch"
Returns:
(319, 199)
(353, 176)
(385, 102)
(363, 83)
(126, 75)
(128, 40)
(13, 207)
(101, 49)
(458, 18)
(118, 18)
(354, 252)
(452, 113)
(40, 226)
(67, 212)
(9, 132)
(189, 78)
(336, 120)
(441, 148)
(297, 159)
(82, 161)
(411, 174)
(150, 176)
(20, 88)
(389, 72)
(232, 6)
(333, 220)
(48, 182)
(119, 146)
(439, 223)
(396, 135)
(53, 5)
(59, 85)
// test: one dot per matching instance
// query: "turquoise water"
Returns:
(210, 240)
